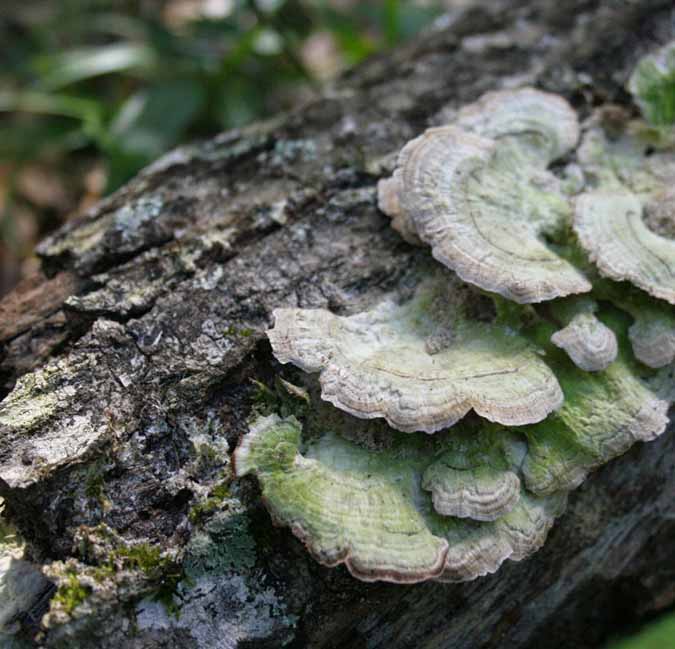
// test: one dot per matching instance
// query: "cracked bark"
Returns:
(143, 341)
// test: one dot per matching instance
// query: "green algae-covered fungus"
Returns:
(366, 510)
(653, 86)
(557, 330)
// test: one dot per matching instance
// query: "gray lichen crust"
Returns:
(421, 365)
(479, 193)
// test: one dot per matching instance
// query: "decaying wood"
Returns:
(132, 368)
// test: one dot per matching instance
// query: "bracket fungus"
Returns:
(604, 414)
(652, 84)
(652, 336)
(366, 510)
(546, 120)
(474, 478)
(557, 389)
(590, 344)
(479, 193)
(387, 362)
(610, 228)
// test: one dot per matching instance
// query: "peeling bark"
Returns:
(128, 374)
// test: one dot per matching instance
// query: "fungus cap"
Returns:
(524, 111)
(362, 509)
(652, 336)
(421, 365)
(610, 228)
(604, 415)
(486, 206)
(477, 476)
(590, 344)
(483, 493)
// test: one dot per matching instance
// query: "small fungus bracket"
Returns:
(610, 228)
(591, 345)
(652, 85)
(652, 336)
(473, 478)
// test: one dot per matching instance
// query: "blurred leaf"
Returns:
(658, 635)
(412, 19)
(154, 119)
(238, 104)
(392, 22)
(89, 112)
(125, 27)
(269, 6)
(267, 42)
(121, 166)
(58, 70)
(24, 140)
(355, 43)
(148, 123)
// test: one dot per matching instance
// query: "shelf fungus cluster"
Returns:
(539, 348)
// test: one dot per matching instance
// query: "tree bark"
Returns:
(127, 374)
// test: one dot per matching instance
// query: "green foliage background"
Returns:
(120, 78)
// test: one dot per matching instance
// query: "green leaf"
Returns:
(27, 138)
(89, 112)
(57, 71)
(658, 635)
(152, 120)
(147, 124)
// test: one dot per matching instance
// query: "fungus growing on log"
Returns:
(349, 505)
(610, 228)
(652, 84)
(652, 336)
(546, 122)
(590, 344)
(387, 362)
(557, 389)
(474, 478)
(604, 414)
(479, 193)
